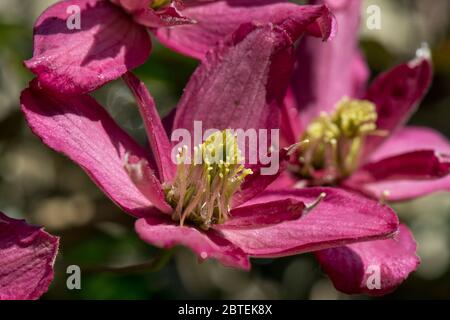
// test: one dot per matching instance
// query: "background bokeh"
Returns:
(47, 189)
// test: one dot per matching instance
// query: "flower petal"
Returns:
(286, 180)
(425, 164)
(74, 62)
(290, 126)
(133, 5)
(218, 19)
(27, 256)
(259, 180)
(162, 232)
(82, 130)
(360, 76)
(411, 139)
(341, 218)
(354, 268)
(403, 190)
(407, 140)
(263, 214)
(156, 133)
(240, 84)
(326, 72)
(397, 93)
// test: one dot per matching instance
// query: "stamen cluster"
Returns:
(202, 190)
(335, 141)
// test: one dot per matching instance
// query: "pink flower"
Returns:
(27, 255)
(219, 210)
(358, 141)
(113, 37)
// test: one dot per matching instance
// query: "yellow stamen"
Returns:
(202, 190)
(337, 139)
(157, 4)
(355, 117)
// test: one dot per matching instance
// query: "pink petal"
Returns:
(218, 19)
(257, 182)
(27, 256)
(403, 190)
(326, 72)
(242, 82)
(286, 180)
(162, 232)
(231, 89)
(406, 140)
(142, 175)
(82, 130)
(425, 164)
(411, 139)
(156, 133)
(353, 268)
(397, 93)
(263, 214)
(291, 128)
(73, 62)
(341, 218)
(133, 5)
(360, 76)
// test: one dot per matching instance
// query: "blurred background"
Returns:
(47, 189)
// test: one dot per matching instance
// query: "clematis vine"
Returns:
(220, 210)
(27, 256)
(113, 37)
(356, 139)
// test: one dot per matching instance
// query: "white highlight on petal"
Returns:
(422, 53)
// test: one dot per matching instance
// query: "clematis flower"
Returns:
(218, 209)
(113, 37)
(357, 140)
(27, 256)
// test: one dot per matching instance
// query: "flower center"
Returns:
(203, 187)
(335, 141)
(158, 4)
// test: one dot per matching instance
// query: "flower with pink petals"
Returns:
(218, 209)
(356, 140)
(27, 256)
